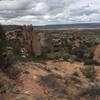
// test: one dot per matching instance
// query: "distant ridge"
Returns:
(67, 26)
(59, 26)
(9, 27)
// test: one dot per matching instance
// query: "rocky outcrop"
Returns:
(34, 42)
(97, 54)
(45, 41)
(31, 40)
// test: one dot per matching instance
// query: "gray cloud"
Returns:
(40, 12)
(85, 10)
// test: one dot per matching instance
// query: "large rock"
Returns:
(31, 39)
(45, 40)
(97, 54)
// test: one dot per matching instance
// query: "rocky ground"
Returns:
(52, 80)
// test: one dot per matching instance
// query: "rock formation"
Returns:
(34, 42)
(31, 40)
(97, 54)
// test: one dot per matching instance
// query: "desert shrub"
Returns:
(90, 62)
(50, 80)
(89, 91)
(16, 46)
(53, 81)
(89, 52)
(39, 98)
(13, 72)
(55, 55)
(8, 58)
(66, 56)
(78, 52)
(89, 72)
(72, 78)
(41, 60)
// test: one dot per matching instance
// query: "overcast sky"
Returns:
(42, 12)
